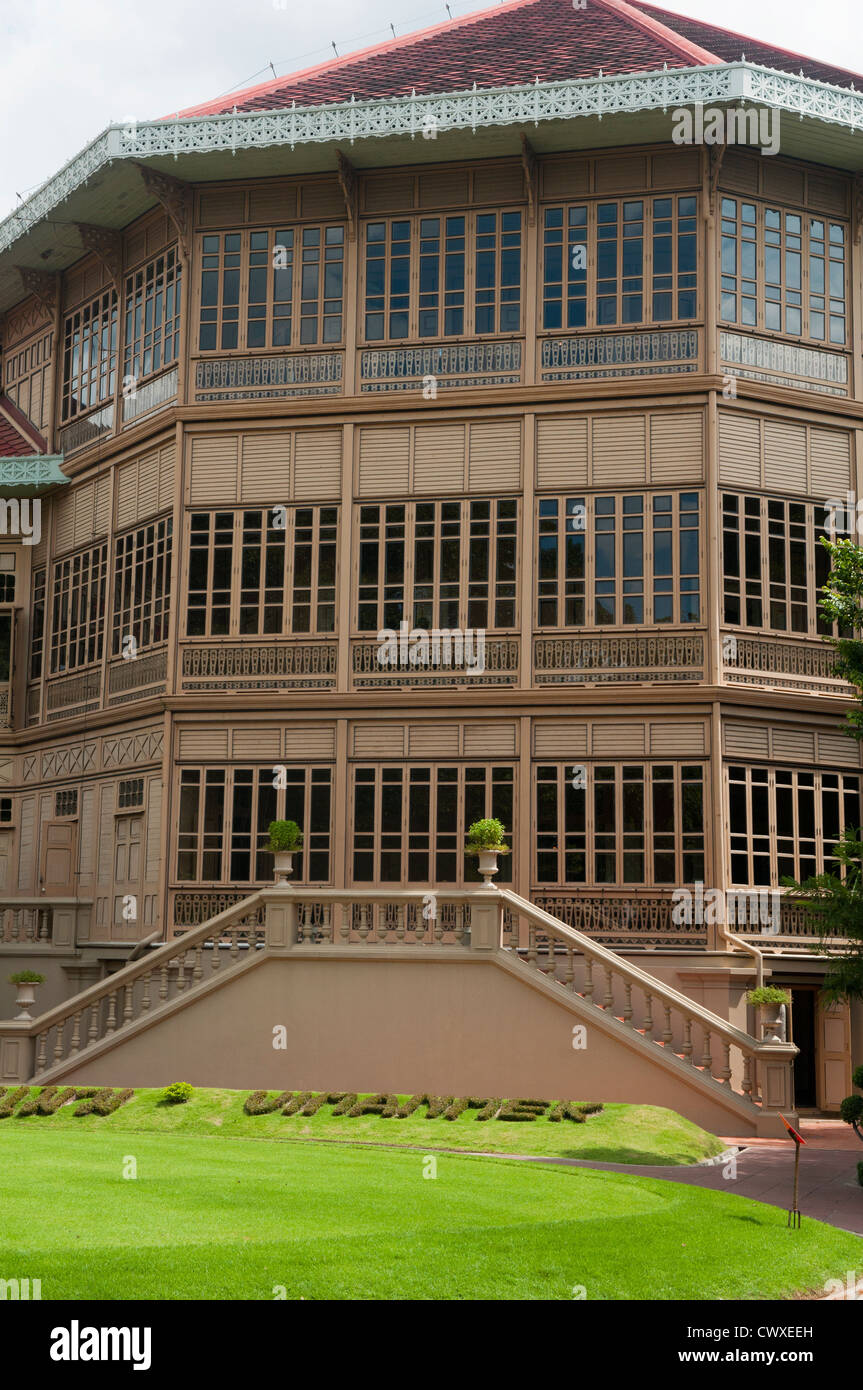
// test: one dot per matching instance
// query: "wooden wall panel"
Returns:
(494, 457)
(317, 464)
(838, 750)
(153, 846)
(783, 456)
(202, 743)
(257, 744)
(678, 739)
(384, 460)
(746, 740)
(379, 740)
(306, 741)
(619, 450)
(439, 456)
(562, 451)
(82, 514)
(145, 486)
(265, 468)
(558, 738)
(618, 740)
(677, 447)
(433, 741)
(492, 740)
(213, 468)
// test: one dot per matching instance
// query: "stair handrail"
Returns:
(650, 983)
(133, 971)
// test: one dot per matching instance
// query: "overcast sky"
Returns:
(68, 68)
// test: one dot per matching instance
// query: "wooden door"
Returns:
(128, 875)
(833, 1049)
(58, 860)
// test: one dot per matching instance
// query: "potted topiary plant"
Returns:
(26, 981)
(485, 840)
(286, 839)
(769, 999)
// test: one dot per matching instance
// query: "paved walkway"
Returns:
(829, 1190)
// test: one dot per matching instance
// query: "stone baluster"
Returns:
(648, 1016)
(569, 972)
(608, 997)
(627, 1005)
(145, 992)
(75, 1041)
(58, 1045)
(111, 1025)
(746, 1086)
(687, 1039)
(401, 922)
(163, 981)
(93, 1029)
(725, 1073)
(531, 946)
(129, 993)
(667, 1032)
(41, 1049)
(198, 972)
(363, 928)
(706, 1055)
(588, 977)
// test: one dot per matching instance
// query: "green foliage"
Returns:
(285, 836)
(178, 1092)
(860, 1173)
(834, 900)
(857, 1078)
(26, 977)
(851, 1110)
(486, 834)
(768, 994)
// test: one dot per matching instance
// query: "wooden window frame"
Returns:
(245, 265)
(731, 233)
(593, 840)
(498, 591)
(142, 585)
(79, 582)
(653, 585)
(764, 588)
(220, 836)
(761, 839)
(292, 545)
(471, 287)
(433, 839)
(152, 316)
(591, 238)
(88, 359)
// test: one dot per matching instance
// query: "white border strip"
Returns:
(467, 110)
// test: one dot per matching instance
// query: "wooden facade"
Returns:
(309, 419)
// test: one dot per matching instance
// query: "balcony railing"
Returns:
(615, 658)
(790, 663)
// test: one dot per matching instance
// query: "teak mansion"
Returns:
(431, 435)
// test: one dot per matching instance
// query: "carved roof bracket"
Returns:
(348, 184)
(107, 245)
(176, 197)
(530, 167)
(43, 285)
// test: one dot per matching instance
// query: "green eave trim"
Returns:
(31, 474)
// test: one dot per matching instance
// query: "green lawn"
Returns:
(618, 1134)
(207, 1217)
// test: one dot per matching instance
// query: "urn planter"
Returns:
(283, 860)
(25, 995)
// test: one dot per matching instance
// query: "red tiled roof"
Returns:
(729, 46)
(506, 46)
(513, 44)
(15, 432)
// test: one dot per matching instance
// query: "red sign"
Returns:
(798, 1138)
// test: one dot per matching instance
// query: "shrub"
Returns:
(851, 1110)
(177, 1093)
(523, 1109)
(297, 1101)
(10, 1100)
(857, 1078)
(103, 1101)
(768, 994)
(48, 1100)
(860, 1173)
(486, 834)
(575, 1110)
(259, 1103)
(26, 977)
(344, 1105)
(384, 1105)
(312, 1106)
(285, 836)
(489, 1110)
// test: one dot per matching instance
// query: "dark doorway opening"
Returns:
(803, 1005)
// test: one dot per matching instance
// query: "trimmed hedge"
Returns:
(385, 1104)
(11, 1098)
